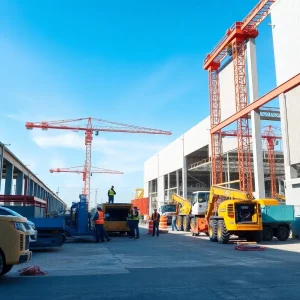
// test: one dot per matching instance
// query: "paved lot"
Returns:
(172, 266)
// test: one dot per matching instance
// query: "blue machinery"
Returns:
(52, 232)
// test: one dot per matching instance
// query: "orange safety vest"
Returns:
(100, 219)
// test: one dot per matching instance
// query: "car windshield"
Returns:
(11, 212)
(200, 197)
(168, 208)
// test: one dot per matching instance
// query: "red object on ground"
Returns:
(142, 204)
(31, 271)
(249, 247)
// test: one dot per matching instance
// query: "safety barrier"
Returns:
(163, 227)
(150, 227)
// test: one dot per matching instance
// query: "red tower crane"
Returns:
(92, 125)
(272, 137)
(234, 42)
(81, 170)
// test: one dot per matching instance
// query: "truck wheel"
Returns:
(4, 268)
(179, 223)
(282, 233)
(186, 223)
(212, 230)
(255, 236)
(222, 233)
(267, 234)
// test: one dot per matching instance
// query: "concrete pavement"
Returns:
(172, 266)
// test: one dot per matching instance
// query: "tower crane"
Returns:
(92, 125)
(81, 170)
(270, 135)
(234, 43)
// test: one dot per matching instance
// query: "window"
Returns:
(4, 212)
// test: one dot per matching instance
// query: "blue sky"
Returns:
(136, 62)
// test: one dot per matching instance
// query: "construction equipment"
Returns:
(14, 243)
(237, 215)
(233, 43)
(139, 193)
(79, 222)
(89, 129)
(82, 170)
(276, 218)
(168, 210)
(187, 210)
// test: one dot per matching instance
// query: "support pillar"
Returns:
(184, 179)
(177, 182)
(20, 183)
(31, 187)
(290, 172)
(9, 179)
(168, 192)
(255, 122)
(228, 170)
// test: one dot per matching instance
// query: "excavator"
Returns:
(229, 212)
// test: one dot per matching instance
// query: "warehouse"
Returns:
(184, 167)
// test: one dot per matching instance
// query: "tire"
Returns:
(212, 230)
(222, 233)
(267, 234)
(179, 223)
(4, 268)
(64, 238)
(186, 223)
(282, 233)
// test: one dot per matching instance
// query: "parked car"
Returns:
(30, 227)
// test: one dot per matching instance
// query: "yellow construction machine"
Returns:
(229, 212)
(187, 210)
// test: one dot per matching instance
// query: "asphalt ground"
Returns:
(171, 266)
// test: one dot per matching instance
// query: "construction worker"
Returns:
(155, 218)
(174, 226)
(130, 223)
(136, 220)
(111, 195)
(99, 224)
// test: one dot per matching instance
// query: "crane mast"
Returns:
(234, 43)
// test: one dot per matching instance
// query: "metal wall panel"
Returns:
(197, 137)
(151, 168)
(146, 189)
(227, 91)
(285, 15)
(171, 157)
(161, 189)
(293, 124)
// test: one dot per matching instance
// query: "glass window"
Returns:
(203, 197)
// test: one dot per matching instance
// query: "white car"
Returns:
(30, 227)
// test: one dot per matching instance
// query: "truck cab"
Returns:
(199, 202)
(14, 243)
(168, 210)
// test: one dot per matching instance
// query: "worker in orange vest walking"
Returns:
(155, 218)
(99, 219)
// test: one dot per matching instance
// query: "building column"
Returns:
(31, 186)
(20, 183)
(35, 189)
(290, 172)
(177, 182)
(228, 170)
(168, 192)
(255, 122)
(9, 179)
(184, 179)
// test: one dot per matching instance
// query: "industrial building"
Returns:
(22, 187)
(184, 165)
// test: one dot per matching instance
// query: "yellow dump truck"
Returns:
(116, 219)
(14, 243)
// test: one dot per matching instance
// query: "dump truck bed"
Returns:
(278, 214)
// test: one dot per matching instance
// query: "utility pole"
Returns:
(96, 198)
